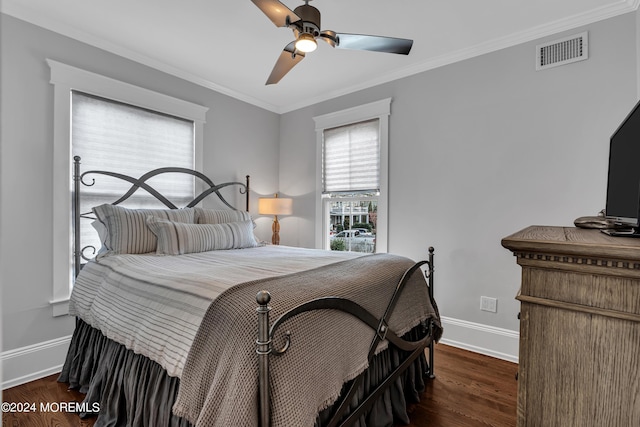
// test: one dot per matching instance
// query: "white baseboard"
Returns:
(479, 338)
(33, 362)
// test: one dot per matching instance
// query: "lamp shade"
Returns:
(275, 206)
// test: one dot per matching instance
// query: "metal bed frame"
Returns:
(137, 183)
(265, 330)
(266, 334)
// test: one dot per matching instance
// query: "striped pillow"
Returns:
(213, 216)
(127, 230)
(177, 239)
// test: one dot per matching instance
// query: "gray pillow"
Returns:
(177, 238)
(127, 231)
(214, 216)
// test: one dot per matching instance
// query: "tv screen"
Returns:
(623, 184)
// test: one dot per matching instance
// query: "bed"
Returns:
(184, 318)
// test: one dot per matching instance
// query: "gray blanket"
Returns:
(153, 305)
(219, 384)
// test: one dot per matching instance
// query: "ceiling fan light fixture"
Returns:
(306, 43)
(305, 23)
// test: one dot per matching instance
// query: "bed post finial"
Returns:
(263, 348)
(263, 298)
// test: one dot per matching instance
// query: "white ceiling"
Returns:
(231, 46)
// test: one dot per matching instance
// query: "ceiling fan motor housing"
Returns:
(309, 20)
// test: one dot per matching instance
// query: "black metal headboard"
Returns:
(136, 184)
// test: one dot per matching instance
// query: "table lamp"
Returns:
(275, 206)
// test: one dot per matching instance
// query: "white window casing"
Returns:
(376, 110)
(66, 79)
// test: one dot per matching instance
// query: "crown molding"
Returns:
(13, 8)
(514, 39)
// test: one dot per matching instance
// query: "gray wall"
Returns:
(231, 150)
(481, 149)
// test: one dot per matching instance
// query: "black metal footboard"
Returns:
(266, 332)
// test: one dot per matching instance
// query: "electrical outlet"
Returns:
(489, 304)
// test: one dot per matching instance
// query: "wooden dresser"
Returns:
(579, 362)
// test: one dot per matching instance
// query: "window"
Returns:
(113, 136)
(80, 99)
(351, 158)
(352, 178)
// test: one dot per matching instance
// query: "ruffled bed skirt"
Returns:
(132, 390)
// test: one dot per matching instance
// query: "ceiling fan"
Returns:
(305, 22)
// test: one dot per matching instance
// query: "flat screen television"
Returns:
(623, 183)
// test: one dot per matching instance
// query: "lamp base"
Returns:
(275, 227)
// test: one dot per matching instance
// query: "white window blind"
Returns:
(117, 137)
(351, 158)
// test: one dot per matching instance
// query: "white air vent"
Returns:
(564, 51)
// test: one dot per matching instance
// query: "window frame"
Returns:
(380, 110)
(66, 78)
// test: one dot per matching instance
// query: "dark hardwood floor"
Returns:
(469, 390)
(44, 390)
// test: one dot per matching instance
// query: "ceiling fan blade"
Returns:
(277, 12)
(288, 59)
(373, 43)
